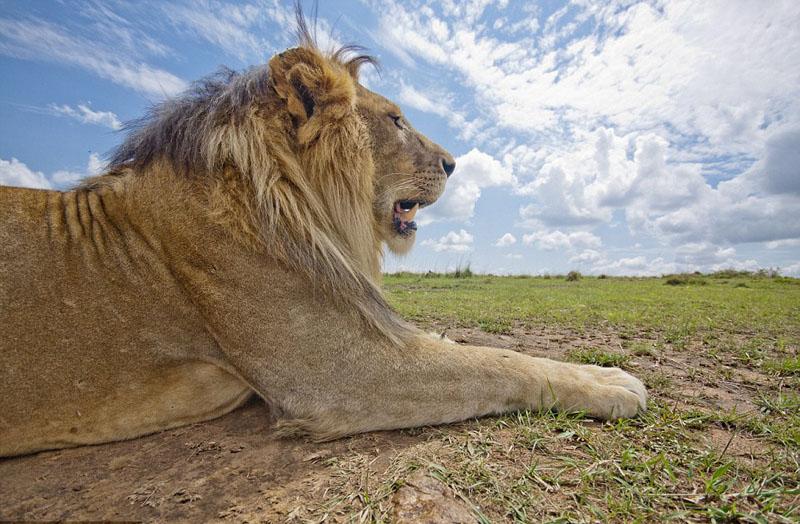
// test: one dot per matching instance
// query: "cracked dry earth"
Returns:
(231, 470)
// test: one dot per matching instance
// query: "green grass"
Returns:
(767, 307)
(785, 366)
(720, 441)
(598, 357)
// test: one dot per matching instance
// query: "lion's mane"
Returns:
(297, 181)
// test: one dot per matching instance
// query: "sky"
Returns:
(617, 138)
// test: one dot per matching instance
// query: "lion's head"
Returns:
(408, 171)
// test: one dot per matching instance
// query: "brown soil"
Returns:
(230, 469)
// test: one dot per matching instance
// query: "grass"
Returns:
(598, 357)
(767, 307)
(720, 441)
(785, 366)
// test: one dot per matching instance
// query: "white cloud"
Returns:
(792, 270)
(778, 244)
(630, 107)
(475, 171)
(638, 265)
(86, 115)
(37, 40)
(739, 265)
(506, 240)
(15, 173)
(670, 201)
(587, 256)
(692, 257)
(439, 103)
(635, 266)
(550, 241)
(584, 185)
(95, 165)
(703, 254)
(742, 209)
(223, 25)
(455, 242)
(410, 96)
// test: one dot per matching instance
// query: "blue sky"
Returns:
(620, 137)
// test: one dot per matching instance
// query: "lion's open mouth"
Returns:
(403, 216)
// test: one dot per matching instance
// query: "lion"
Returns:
(233, 247)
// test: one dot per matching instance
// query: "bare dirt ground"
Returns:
(231, 470)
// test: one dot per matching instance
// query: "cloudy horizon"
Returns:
(623, 138)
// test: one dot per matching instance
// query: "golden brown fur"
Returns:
(234, 246)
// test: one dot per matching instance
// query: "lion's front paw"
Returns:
(615, 393)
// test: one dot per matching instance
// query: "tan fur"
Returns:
(246, 258)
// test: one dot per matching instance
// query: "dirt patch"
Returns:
(228, 468)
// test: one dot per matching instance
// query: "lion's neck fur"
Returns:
(281, 219)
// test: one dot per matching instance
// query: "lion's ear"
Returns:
(312, 88)
(291, 77)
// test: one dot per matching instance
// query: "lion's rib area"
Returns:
(99, 339)
(79, 218)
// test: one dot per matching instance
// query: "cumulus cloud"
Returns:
(475, 171)
(85, 114)
(16, 173)
(738, 210)
(635, 266)
(666, 199)
(587, 256)
(506, 240)
(454, 242)
(792, 270)
(703, 254)
(553, 240)
(692, 257)
(585, 185)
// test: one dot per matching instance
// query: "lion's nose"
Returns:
(448, 166)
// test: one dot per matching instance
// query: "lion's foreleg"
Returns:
(329, 373)
(433, 383)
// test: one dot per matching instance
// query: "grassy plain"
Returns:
(721, 439)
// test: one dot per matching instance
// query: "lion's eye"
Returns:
(398, 121)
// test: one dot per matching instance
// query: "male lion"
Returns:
(232, 247)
